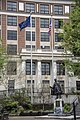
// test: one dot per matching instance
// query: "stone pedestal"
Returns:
(58, 106)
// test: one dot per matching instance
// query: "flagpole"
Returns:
(52, 54)
(31, 61)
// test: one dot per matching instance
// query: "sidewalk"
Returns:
(42, 118)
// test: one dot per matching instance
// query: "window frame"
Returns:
(11, 68)
(44, 37)
(58, 9)
(60, 70)
(45, 68)
(28, 68)
(30, 7)
(44, 22)
(12, 20)
(11, 35)
(11, 49)
(11, 6)
(44, 8)
(28, 35)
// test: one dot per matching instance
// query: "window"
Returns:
(44, 36)
(12, 21)
(28, 36)
(29, 86)
(28, 68)
(45, 68)
(30, 7)
(72, 8)
(66, 9)
(44, 23)
(11, 6)
(61, 82)
(60, 68)
(29, 47)
(12, 35)
(11, 49)
(45, 47)
(45, 83)
(33, 22)
(11, 84)
(21, 6)
(58, 10)
(11, 68)
(44, 9)
(58, 23)
(59, 48)
(78, 85)
(58, 37)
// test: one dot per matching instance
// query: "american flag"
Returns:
(50, 25)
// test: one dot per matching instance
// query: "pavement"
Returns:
(44, 117)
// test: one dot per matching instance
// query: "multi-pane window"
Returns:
(78, 85)
(45, 83)
(28, 68)
(44, 36)
(12, 21)
(44, 23)
(11, 6)
(60, 68)
(12, 68)
(58, 23)
(58, 9)
(28, 36)
(44, 9)
(33, 22)
(29, 47)
(58, 37)
(61, 82)
(11, 49)
(45, 68)
(29, 86)
(11, 35)
(30, 7)
(11, 85)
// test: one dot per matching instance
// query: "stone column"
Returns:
(23, 74)
(38, 81)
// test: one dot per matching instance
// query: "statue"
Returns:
(56, 89)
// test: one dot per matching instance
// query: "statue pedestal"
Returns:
(58, 106)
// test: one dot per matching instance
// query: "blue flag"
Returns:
(25, 23)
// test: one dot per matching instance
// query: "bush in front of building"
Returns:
(67, 108)
(16, 103)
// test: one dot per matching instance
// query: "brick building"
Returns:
(44, 58)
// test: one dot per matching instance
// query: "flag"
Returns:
(50, 25)
(25, 23)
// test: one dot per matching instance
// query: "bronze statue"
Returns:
(56, 89)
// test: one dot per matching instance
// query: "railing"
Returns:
(42, 50)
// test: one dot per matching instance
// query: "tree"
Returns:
(72, 38)
(2, 56)
(3, 60)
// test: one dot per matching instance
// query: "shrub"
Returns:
(67, 107)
